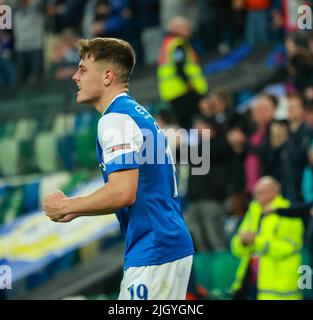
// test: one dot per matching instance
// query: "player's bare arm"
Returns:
(120, 191)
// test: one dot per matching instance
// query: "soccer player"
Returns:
(139, 175)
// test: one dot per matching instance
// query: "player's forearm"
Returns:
(105, 200)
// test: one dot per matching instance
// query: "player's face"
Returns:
(89, 82)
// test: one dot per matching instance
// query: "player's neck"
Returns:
(105, 101)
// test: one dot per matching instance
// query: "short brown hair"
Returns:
(111, 50)
(225, 96)
(297, 95)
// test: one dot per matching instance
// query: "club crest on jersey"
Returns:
(102, 166)
(118, 147)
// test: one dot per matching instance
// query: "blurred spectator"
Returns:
(285, 14)
(225, 25)
(170, 9)
(54, 11)
(285, 17)
(28, 20)
(278, 25)
(224, 113)
(88, 18)
(166, 120)
(207, 14)
(63, 14)
(275, 161)
(301, 65)
(298, 144)
(257, 18)
(225, 18)
(8, 72)
(220, 107)
(207, 193)
(147, 15)
(292, 45)
(65, 57)
(284, 155)
(308, 94)
(111, 18)
(180, 77)
(263, 111)
(291, 49)
(309, 113)
(307, 179)
(239, 15)
(114, 18)
(269, 246)
(310, 42)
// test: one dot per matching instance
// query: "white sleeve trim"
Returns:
(118, 134)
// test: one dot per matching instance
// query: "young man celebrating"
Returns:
(139, 175)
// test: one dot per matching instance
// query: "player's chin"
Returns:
(81, 98)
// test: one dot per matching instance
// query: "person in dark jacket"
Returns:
(275, 161)
(298, 145)
(220, 107)
(248, 144)
(207, 193)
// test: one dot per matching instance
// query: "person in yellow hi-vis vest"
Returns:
(269, 246)
(180, 78)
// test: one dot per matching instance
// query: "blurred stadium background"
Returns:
(47, 140)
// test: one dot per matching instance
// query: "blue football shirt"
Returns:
(153, 227)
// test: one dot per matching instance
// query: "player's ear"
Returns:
(107, 77)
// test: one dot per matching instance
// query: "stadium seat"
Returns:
(9, 129)
(27, 163)
(3, 193)
(52, 183)
(83, 121)
(85, 144)
(2, 130)
(25, 129)
(31, 196)
(66, 152)
(45, 123)
(9, 156)
(63, 125)
(12, 206)
(46, 152)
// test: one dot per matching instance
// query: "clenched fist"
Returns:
(55, 207)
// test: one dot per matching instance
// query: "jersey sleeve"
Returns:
(121, 139)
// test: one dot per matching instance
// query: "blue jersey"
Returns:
(154, 228)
